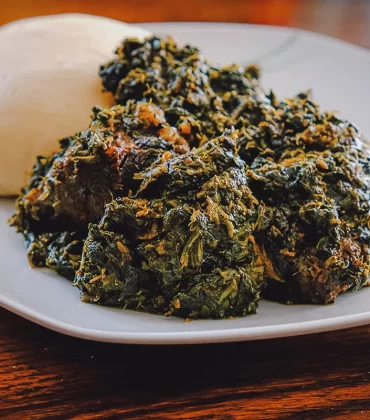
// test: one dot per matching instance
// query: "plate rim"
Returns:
(274, 28)
(190, 337)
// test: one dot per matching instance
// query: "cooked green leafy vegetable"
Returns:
(190, 253)
(201, 100)
(200, 193)
(69, 190)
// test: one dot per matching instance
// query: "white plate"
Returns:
(292, 61)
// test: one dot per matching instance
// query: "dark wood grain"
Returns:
(47, 375)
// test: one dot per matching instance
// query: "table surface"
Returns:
(47, 375)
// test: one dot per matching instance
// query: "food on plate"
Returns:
(189, 252)
(199, 192)
(48, 84)
(69, 190)
(200, 99)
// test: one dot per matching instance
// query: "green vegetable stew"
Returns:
(200, 192)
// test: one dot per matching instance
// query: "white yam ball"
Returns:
(49, 82)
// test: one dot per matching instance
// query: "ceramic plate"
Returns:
(292, 61)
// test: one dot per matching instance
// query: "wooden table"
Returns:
(47, 375)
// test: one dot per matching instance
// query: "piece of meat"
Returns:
(70, 189)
